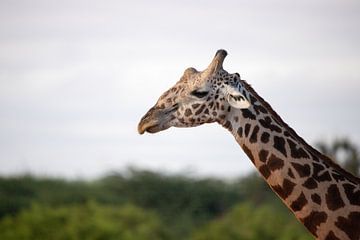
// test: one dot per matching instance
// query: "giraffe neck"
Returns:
(324, 197)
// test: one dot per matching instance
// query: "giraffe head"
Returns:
(199, 97)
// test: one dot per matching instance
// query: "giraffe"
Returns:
(323, 196)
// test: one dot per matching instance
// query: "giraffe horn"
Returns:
(216, 63)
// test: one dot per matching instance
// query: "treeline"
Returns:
(145, 205)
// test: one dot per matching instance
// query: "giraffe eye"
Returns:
(199, 94)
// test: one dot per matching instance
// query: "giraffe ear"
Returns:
(236, 99)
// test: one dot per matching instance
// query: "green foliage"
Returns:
(254, 189)
(90, 210)
(247, 222)
(133, 205)
(192, 201)
(89, 221)
(17, 193)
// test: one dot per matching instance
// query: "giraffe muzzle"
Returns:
(156, 119)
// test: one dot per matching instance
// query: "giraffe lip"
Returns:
(149, 127)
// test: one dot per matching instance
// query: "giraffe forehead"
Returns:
(220, 82)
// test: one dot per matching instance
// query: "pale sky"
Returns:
(76, 77)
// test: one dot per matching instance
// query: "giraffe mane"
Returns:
(292, 132)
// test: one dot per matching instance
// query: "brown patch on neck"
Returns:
(294, 135)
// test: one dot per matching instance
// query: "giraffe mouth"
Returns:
(153, 126)
(156, 120)
(152, 129)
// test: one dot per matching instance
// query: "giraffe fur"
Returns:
(323, 196)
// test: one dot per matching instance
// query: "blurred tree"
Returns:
(89, 221)
(344, 152)
(247, 222)
(182, 202)
(255, 190)
(17, 193)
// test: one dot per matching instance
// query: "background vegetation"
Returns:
(147, 205)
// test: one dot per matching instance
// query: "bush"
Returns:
(89, 221)
(247, 222)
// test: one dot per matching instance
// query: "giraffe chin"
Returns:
(153, 129)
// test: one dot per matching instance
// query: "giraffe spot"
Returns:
(240, 131)
(352, 195)
(253, 100)
(275, 120)
(264, 170)
(310, 183)
(200, 110)
(316, 198)
(302, 170)
(263, 155)
(320, 178)
(267, 123)
(331, 236)
(248, 114)
(296, 152)
(313, 220)
(228, 125)
(236, 118)
(222, 116)
(196, 105)
(288, 187)
(324, 177)
(285, 190)
(247, 129)
(299, 203)
(290, 173)
(287, 134)
(279, 144)
(188, 112)
(333, 198)
(260, 109)
(350, 225)
(248, 152)
(275, 163)
(265, 137)
(206, 111)
(214, 113)
(314, 157)
(277, 189)
(253, 137)
(318, 168)
(338, 177)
